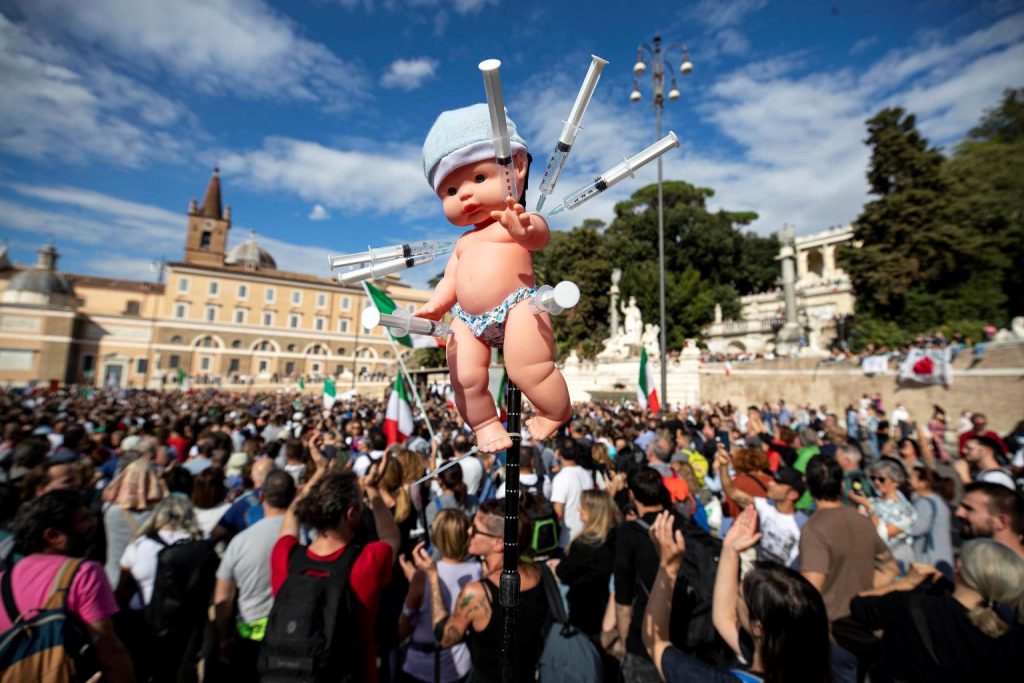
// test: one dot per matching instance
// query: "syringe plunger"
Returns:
(401, 323)
(377, 270)
(554, 300)
(432, 248)
(499, 126)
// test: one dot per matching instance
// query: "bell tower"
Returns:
(208, 225)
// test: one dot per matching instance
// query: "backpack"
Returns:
(50, 645)
(311, 632)
(183, 587)
(569, 656)
(544, 530)
(691, 602)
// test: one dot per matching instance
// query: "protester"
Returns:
(980, 462)
(932, 529)
(890, 512)
(779, 625)
(454, 494)
(992, 511)
(243, 580)
(450, 536)
(589, 559)
(568, 487)
(478, 610)
(209, 499)
(128, 502)
(246, 510)
(949, 636)
(50, 533)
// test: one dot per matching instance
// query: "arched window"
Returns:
(291, 348)
(237, 344)
(206, 342)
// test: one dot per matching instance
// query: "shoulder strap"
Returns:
(10, 606)
(58, 597)
(921, 624)
(554, 597)
(756, 480)
(155, 536)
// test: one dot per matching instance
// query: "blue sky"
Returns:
(114, 111)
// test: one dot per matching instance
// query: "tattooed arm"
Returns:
(471, 609)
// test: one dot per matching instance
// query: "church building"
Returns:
(217, 316)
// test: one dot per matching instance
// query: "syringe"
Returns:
(554, 300)
(377, 270)
(499, 126)
(570, 130)
(617, 174)
(400, 322)
(432, 248)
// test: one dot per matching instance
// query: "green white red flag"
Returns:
(398, 420)
(384, 304)
(646, 394)
(330, 394)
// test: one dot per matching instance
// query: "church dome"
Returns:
(250, 254)
(41, 284)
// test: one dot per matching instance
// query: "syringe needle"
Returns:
(555, 211)
(540, 203)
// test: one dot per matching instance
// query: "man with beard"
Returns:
(50, 531)
(993, 511)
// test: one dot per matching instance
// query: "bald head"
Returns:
(260, 469)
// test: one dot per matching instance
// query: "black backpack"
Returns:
(544, 526)
(186, 572)
(311, 634)
(695, 585)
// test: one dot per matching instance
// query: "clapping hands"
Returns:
(743, 533)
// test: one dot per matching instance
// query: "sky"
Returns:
(114, 112)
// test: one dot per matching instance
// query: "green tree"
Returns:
(986, 180)
(920, 265)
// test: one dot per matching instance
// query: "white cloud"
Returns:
(243, 47)
(409, 74)
(59, 106)
(319, 213)
(718, 14)
(390, 181)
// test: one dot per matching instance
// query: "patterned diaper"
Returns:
(489, 327)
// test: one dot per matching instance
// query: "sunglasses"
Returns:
(880, 480)
(473, 531)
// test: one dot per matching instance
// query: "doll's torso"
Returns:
(491, 266)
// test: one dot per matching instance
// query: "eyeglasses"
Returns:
(473, 531)
(880, 480)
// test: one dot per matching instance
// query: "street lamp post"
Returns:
(657, 57)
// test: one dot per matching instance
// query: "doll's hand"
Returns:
(429, 312)
(513, 218)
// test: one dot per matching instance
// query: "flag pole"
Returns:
(508, 589)
(401, 364)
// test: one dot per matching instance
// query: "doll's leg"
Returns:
(529, 353)
(468, 360)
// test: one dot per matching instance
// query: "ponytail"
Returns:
(985, 618)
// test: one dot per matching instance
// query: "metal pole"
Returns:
(659, 103)
(508, 590)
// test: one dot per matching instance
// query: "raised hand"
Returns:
(513, 218)
(408, 567)
(743, 533)
(421, 558)
(668, 542)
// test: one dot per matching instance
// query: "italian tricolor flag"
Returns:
(398, 420)
(384, 304)
(646, 394)
(330, 394)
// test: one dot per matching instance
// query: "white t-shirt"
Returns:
(472, 474)
(363, 462)
(997, 477)
(568, 488)
(207, 518)
(140, 559)
(780, 534)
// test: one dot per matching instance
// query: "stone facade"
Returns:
(217, 315)
(823, 294)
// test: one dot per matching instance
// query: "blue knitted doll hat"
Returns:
(459, 137)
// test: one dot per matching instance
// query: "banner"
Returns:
(927, 366)
(875, 365)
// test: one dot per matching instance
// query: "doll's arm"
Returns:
(527, 228)
(443, 297)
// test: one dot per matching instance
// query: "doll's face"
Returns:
(469, 193)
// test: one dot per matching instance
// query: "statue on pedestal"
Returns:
(651, 342)
(634, 324)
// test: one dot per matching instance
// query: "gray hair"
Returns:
(174, 511)
(890, 468)
(851, 452)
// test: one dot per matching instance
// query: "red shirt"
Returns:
(180, 444)
(753, 484)
(370, 573)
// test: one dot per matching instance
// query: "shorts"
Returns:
(489, 327)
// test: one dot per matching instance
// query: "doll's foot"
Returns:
(542, 427)
(492, 438)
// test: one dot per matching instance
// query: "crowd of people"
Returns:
(211, 536)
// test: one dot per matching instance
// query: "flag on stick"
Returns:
(385, 305)
(646, 394)
(398, 420)
(330, 394)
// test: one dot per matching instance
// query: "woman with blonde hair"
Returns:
(587, 566)
(450, 536)
(958, 636)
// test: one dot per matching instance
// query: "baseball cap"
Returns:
(792, 478)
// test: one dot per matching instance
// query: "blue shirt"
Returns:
(243, 513)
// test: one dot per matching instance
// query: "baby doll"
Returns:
(489, 278)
